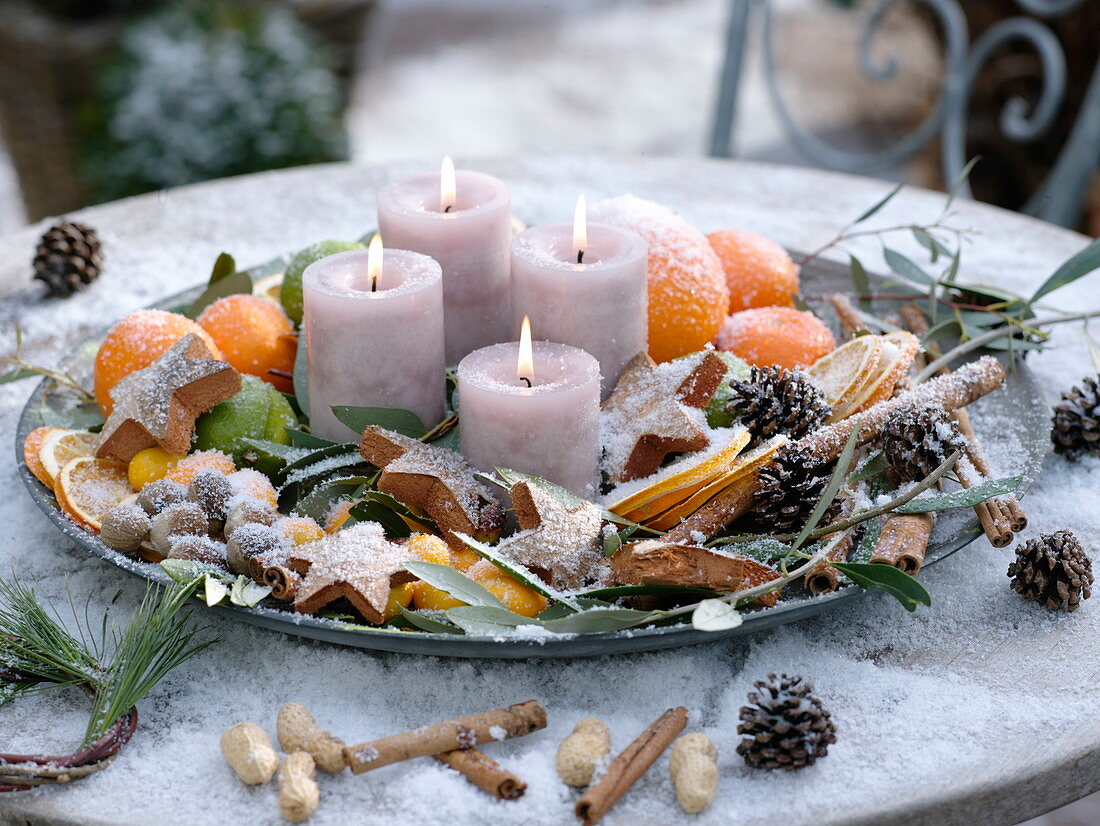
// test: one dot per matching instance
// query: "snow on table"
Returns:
(978, 709)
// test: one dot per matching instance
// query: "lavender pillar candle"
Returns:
(584, 285)
(464, 223)
(374, 335)
(549, 429)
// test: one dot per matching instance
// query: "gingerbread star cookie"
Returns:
(159, 405)
(657, 410)
(436, 480)
(357, 563)
(557, 540)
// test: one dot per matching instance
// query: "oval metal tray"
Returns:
(1020, 448)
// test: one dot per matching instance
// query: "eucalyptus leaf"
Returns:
(600, 620)
(288, 453)
(224, 281)
(318, 504)
(831, 489)
(1075, 267)
(715, 615)
(902, 587)
(299, 473)
(959, 182)
(186, 571)
(18, 374)
(861, 283)
(906, 268)
(484, 620)
(870, 467)
(619, 591)
(966, 498)
(427, 623)
(371, 511)
(931, 243)
(302, 439)
(401, 421)
(454, 582)
(879, 205)
(301, 376)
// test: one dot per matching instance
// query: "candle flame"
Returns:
(580, 229)
(525, 365)
(447, 196)
(374, 261)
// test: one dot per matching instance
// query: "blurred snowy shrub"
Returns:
(203, 90)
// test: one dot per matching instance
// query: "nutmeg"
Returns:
(180, 519)
(248, 541)
(197, 549)
(158, 495)
(212, 491)
(125, 527)
(247, 512)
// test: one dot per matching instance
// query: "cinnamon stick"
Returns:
(952, 391)
(631, 764)
(994, 522)
(826, 578)
(851, 323)
(1005, 509)
(484, 772)
(904, 541)
(459, 733)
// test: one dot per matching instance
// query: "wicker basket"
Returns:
(48, 67)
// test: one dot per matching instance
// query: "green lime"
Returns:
(258, 411)
(290, 294)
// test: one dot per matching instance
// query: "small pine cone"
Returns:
(785, 725)
(787, 491)
(68, 258)
(1053, 570)
(917, 440)
(775, 401)
(1076, 431)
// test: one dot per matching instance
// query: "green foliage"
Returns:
(204, 89)
(898, 584)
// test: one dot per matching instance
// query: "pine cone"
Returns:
(785, 725)
(775, 401)
(67, 258)
(787, 491)
(1077, 422)
(917, 440)
(1053, 570)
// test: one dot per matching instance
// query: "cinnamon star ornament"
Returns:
(556, 539)
(656, 410)
(357, 564)
(159, 404)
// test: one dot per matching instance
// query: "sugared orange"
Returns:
(400, 597)
(688, 296)
(255, 485)
(60, 447)
(32, 447)
(433, 549)
(760, 273)
(339, 514)
(151, 465)
(254, 335)
(135, 342)
(87, 488)
(514, 594)
(776, 335)
(189, 467)
(298, 530)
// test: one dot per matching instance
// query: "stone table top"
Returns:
(979, 709)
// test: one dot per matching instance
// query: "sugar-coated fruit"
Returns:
(254, 335)
(135, 342)
(776, 335)
(759, 272)
(192, 465)
(687, 291)
(514, 594)
(290, 293)
(150, 465)
(258, 411)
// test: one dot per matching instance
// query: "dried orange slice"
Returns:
(32, 447)
(61, 447)
(899, 350)
(844, 373)
(269, 286)
(744, 466)
(87, 488)
(680, 484)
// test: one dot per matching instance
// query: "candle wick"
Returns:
(374, 284)
(449, 207)
(580, 256)
(524, 378)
